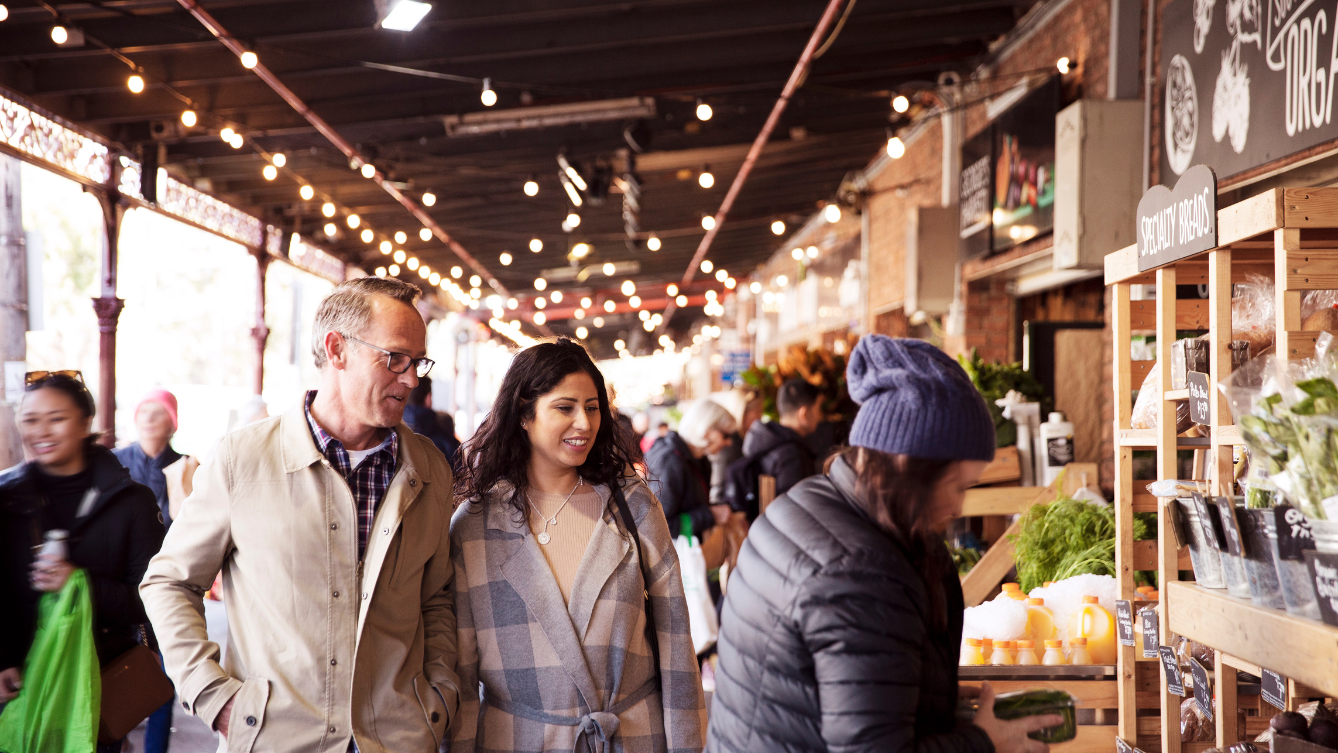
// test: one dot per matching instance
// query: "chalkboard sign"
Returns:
(1179, 222)
(1324, 571)
(1174, 683)
(1151, 640)
(1210, 523)
(1122, 747)
(1199, 394)
(1231, 527)
(1273, 688)
(1294, 535)
(1124, 621)
(1203, 687)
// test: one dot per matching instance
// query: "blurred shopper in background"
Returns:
(680, 474)
(71, 483)
(330, 524)
(778, 447)
(153, 463)
(420, 417)
(843, 620)
(560, 552)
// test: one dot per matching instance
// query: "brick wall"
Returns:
(912, 181)
(990, 312)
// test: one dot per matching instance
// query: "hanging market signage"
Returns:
(1244, 82)
(975, 195)
(1024, 168)
(1175, 223)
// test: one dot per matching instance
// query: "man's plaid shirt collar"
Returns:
(368, 482)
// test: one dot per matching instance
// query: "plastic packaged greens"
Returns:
(1037, 702)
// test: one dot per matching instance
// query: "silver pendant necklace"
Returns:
(543, 536)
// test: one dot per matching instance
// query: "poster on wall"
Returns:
(1245, 82)
(1024, 168)
(975, 189)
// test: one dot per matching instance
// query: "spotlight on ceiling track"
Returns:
(404, 15)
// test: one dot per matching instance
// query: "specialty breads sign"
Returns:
(1180, 222)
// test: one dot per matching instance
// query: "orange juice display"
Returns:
(1078, 652)
(1040, 622)
(1093, 623)
(1026, 653)
(1003, 654)
(1054, 654)
(971, 653)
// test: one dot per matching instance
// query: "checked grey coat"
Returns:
(558, 677)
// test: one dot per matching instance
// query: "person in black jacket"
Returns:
(680, 473)
(420, 417)
(778, 447)
(843, 620)
(72, 484)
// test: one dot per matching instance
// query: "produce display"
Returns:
(994, 381)
(1315, 723)
(1069, 537)
(1065, 622)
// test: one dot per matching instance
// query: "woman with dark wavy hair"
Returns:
(572, 620)
(843, 620)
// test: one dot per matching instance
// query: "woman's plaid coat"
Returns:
(571, 677)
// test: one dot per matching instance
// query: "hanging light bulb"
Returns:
(270, 172)
(706, 179)
(380, 271)
(306, 192)
(536, 245)
(708, 222)
(368, 170)
(556, 297)
(1064, 65)
(609, 269)
(671, 290)
(831, 213)
(354, 221)
(227, 133)
(704, 111)
(429, 198)
(628, 287)
(456, 272)
(812, 252)
(540, 283)
(531, 187)
(512, 303)
(385, 247)
(539, 318)
(434, 278)
(653, 243)
(644, 315)
(895, 147)
(755, 287)
(582, 333)
(778, 228)
(59, 34)
(598, 322)
(424, 272)
(236, 141)
(394, 270)
(400, 256)
(189, 118)
(707, 266)
(681, 301)
(634, 302)
(249, 60)
(573, 219)
(330, 229)
(401, 236)
(540, 303)
(609, 306)
(721, 275)
(328, 209)
(505, 259)
(475, 281)
(730, 283)
(425, 234)
(900, 103)
(488, 97)
(367, 235)
(279, 159)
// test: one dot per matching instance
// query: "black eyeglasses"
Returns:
(33, 377)
(399, 363)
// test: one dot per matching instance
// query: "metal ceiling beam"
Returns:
(343, 145)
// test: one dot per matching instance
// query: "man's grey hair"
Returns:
(702, 416)
(348, 309)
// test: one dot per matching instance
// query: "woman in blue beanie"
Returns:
(843, 619)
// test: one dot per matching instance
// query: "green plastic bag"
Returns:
(57, 709)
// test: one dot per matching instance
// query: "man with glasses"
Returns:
(331, 526)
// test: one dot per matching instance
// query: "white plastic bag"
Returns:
(701, 609)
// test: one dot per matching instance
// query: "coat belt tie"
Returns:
(598, 728)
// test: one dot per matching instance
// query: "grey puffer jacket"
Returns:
(826, 641)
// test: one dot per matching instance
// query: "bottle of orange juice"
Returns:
(1011, 587)
(1003, 654)
(986, 648)
(971, 654)
(1040, 621)
(1078, 653)
(1054, 654)
(1092, 622)
(1026, 653)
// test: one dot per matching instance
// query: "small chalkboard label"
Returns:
(1273, 688)
(1174, 683)
(1124, 620)
(1122, 747)
(1151, 640)
(1178, 516)
(1230, 526)
(1294, 535)
(1203, 687)
(1324, 572)
(1209, 522)
(1200, 392)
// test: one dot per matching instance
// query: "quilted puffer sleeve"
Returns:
(866, 637)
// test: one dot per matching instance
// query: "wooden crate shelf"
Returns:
(1291, 236)
(1296, 648)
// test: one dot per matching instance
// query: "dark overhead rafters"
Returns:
(735, 53)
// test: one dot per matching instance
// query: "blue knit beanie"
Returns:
(915, 400)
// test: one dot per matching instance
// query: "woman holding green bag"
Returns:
(70, 483)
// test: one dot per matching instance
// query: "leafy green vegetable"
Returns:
(1300, 442)
(964, 558)
(994, 380)
(1066, 538)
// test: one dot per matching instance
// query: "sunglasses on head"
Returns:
(33, 377)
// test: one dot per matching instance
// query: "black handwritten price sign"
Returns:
(1273, 687)
(1294, 535)
(1203, 687)
(1175, 684)
(1151, 640)
(1230, 527)
(1124, 621)
(1210, 522)
(1200, 394)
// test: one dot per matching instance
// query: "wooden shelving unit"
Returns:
(1290, 235)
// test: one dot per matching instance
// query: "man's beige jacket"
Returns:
(320, 645)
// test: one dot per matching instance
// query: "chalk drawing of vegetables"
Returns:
(1203, 21)
(1231, 101)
